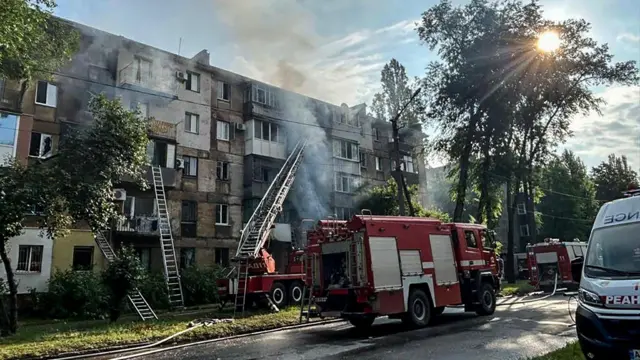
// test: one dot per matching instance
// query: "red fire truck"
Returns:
(283, 287)
(404, 267)
(552, 257)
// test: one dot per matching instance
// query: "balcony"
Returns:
(132, 78)
(10, 100)
(141, 225)
(169, 177)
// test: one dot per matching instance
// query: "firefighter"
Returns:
(500, 261)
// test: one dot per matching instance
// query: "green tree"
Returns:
(77, 183)
(569, 203)
(613, 177)
(120, 278)
(396, 92)
(34, 43)
(383, 200)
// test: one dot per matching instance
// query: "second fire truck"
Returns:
(402, 267)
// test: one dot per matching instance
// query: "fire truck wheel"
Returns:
(487, 299)
(295, 293)
(420, 310)
(279, 294)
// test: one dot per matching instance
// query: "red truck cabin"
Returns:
(552, 257)
(387, 261)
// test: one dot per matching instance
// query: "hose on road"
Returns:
(555, 288)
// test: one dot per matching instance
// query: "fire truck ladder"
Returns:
(172, 276)
(135, 298)
(257, 230)
(307, 290)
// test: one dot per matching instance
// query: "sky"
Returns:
(334, 49)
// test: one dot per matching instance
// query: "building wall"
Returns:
(30, 280)
(62, 251)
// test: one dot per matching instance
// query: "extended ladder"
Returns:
(257, 230)
(169, 259)
(135, 298)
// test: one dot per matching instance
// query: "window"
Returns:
(487, 240)
(30, 258)
(375, 133)
(46, 94)
(41, 145)
(268, 131)
(222, 214)
(408, 164)
(263, 95)
(191, 123)
(161, 153)
(193, 81)
(222, 170)
(261, 173)
(363, 159)
(82, 257)
(222, 130)
(224, 91)
(378, 163)
(524, 230)
(343, 213)
(143, 70)
(35, 210)
(346, 183)
(142, 107)
(222, 257)
(189, 218)
(190, 166)
(470, 237)
(144, 254)
(522, 209)
(187, 257)
(345, 149)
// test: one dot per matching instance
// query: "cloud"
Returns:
(277, 42)
(628, 37)
(616, 131)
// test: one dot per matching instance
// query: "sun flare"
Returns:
(548, 41)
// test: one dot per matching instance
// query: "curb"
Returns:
(116, 349)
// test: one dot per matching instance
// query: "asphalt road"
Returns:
(513, 332)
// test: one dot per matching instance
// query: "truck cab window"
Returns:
(487, 240)
(470, 237)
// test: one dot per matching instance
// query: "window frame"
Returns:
(375, 134)
(220, 90)
(219, 124)
(187, 160)
(525, 226)
(224, 215)
(188, 123)
(43, 136)
(521, 208)
(378, 163)
(29, 262)
(183, 257)
(190, 75)
(219, 254)
(54, 97)
(222, 167)
(191, 223)
(90, 250)
(474, 244)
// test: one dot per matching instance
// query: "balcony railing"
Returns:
(142, 224)
(10, 100)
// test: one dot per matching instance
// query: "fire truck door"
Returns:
(447, 286)
(488, 245)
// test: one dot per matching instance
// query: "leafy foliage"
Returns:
(153, 287)
(396, 92)
(199, 285)
(383, 200)
(74, 294)
(569, 204)
(34, 43)
(613, 177)
(120, 278)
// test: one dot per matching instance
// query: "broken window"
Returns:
(41, 145)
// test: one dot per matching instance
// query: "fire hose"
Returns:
(555, 288)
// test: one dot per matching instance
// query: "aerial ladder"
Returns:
(256, 231)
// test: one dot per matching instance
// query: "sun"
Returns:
(548, 41)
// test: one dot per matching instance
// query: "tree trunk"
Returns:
(461, 191)
(483, 208)
(511, 205)
(13, 288)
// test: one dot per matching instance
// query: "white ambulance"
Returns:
(608, 315)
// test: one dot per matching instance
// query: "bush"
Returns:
(121, 277)
(73, 294)
(199, 285)
(154, 289)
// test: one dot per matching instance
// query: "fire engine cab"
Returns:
(608, 314)
(553, 257)
(404, 267)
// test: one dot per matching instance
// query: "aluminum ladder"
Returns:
(169, 258)
(257, 229)
(309, 284)
(136, 299)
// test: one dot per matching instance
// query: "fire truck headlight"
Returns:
(589, 297)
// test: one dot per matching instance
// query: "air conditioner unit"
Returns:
(119, 195)
(241, 127)
(179, 164)
(181, 75)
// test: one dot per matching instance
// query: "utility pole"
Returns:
(399, 176)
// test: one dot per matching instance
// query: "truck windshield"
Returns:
(614, 251)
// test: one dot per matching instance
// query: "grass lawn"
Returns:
(521, 287)
(569, 352)
(53, 339)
